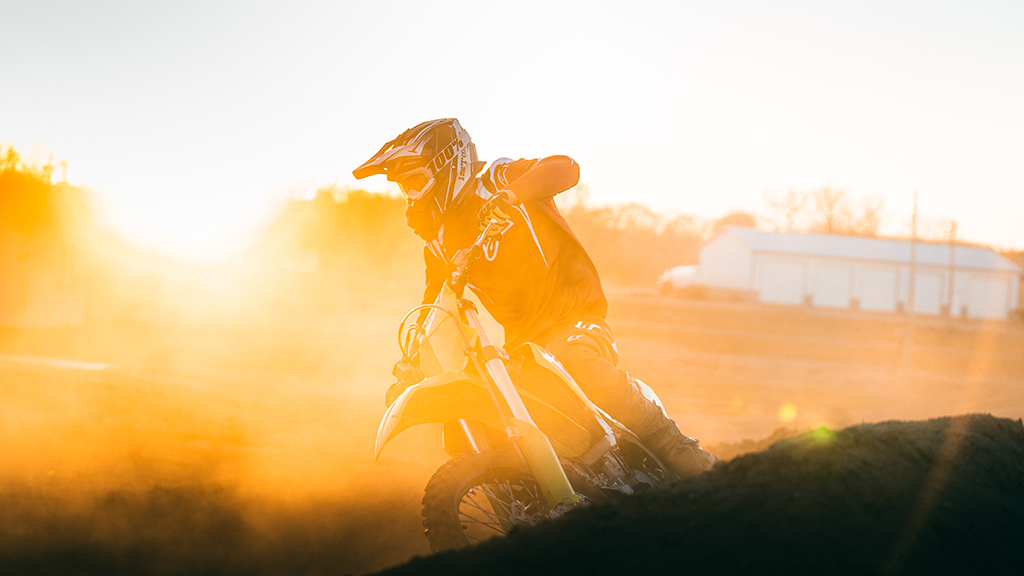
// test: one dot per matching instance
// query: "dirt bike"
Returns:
(527, 444)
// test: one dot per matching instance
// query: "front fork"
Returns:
(531, 443)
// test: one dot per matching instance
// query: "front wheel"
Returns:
(474, 497)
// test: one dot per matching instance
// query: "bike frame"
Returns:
(453, 339)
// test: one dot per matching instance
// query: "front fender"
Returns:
(458, 395)
(438, 399)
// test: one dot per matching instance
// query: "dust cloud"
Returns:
(222, 419)
(209, 420)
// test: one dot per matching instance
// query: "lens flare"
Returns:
(822, 434)
(787, 413)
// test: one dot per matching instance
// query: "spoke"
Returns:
(473, 504)
(471, 520)
(533, 496)
(502, 496)
(465, 519)
(492, 525)
(507, 489)
(486, 490)
(492, 497)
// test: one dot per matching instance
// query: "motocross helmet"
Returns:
(432, 163)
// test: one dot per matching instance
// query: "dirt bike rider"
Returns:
(536, 280)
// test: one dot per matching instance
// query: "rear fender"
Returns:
(566, 436)
(558, 390)
(438, 399)
(547, 360)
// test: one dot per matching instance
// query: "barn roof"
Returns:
(877, 249)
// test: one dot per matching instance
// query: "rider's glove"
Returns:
(461, 257)
(496, 208)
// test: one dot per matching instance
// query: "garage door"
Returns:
(782, 281)
(879, 290)
(927, 293)
(987, 297)
(832, 286)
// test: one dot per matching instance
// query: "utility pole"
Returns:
(911, 288)
(908, 340)
(952, 267)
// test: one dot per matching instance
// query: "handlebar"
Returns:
(471, 254)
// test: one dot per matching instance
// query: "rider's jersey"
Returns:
(537, 277)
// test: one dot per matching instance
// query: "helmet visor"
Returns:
(413, 185)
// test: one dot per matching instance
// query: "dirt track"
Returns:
(944, 496)
(725, 371)
(263, 432)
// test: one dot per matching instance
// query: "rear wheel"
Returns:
(475, 497)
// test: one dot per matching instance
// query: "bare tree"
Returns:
(831, 211)
(870, 218)
(937, 229)
(686, 225)
(10, 160)
(786, 210)
(735, 218)
(634, 215)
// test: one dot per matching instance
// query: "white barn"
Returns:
(860, 273)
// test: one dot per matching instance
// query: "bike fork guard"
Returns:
(543, 463)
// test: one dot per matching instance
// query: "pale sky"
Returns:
(193, 118)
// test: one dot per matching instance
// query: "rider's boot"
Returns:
(658, 432)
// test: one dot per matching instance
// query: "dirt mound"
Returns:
(938, 496)
(730, 450)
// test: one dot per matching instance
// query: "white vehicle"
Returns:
(681, 280)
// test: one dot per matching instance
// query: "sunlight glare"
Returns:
(787, 413)
(198, 226)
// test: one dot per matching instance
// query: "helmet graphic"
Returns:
(433, 160)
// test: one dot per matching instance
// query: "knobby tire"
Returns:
(459, 501)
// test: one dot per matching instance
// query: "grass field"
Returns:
(261, 426)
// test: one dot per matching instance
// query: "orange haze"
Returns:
(209, 418)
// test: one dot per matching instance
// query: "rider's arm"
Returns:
(524, 180)
(436, 272)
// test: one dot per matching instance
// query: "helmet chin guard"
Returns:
(433, 160)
